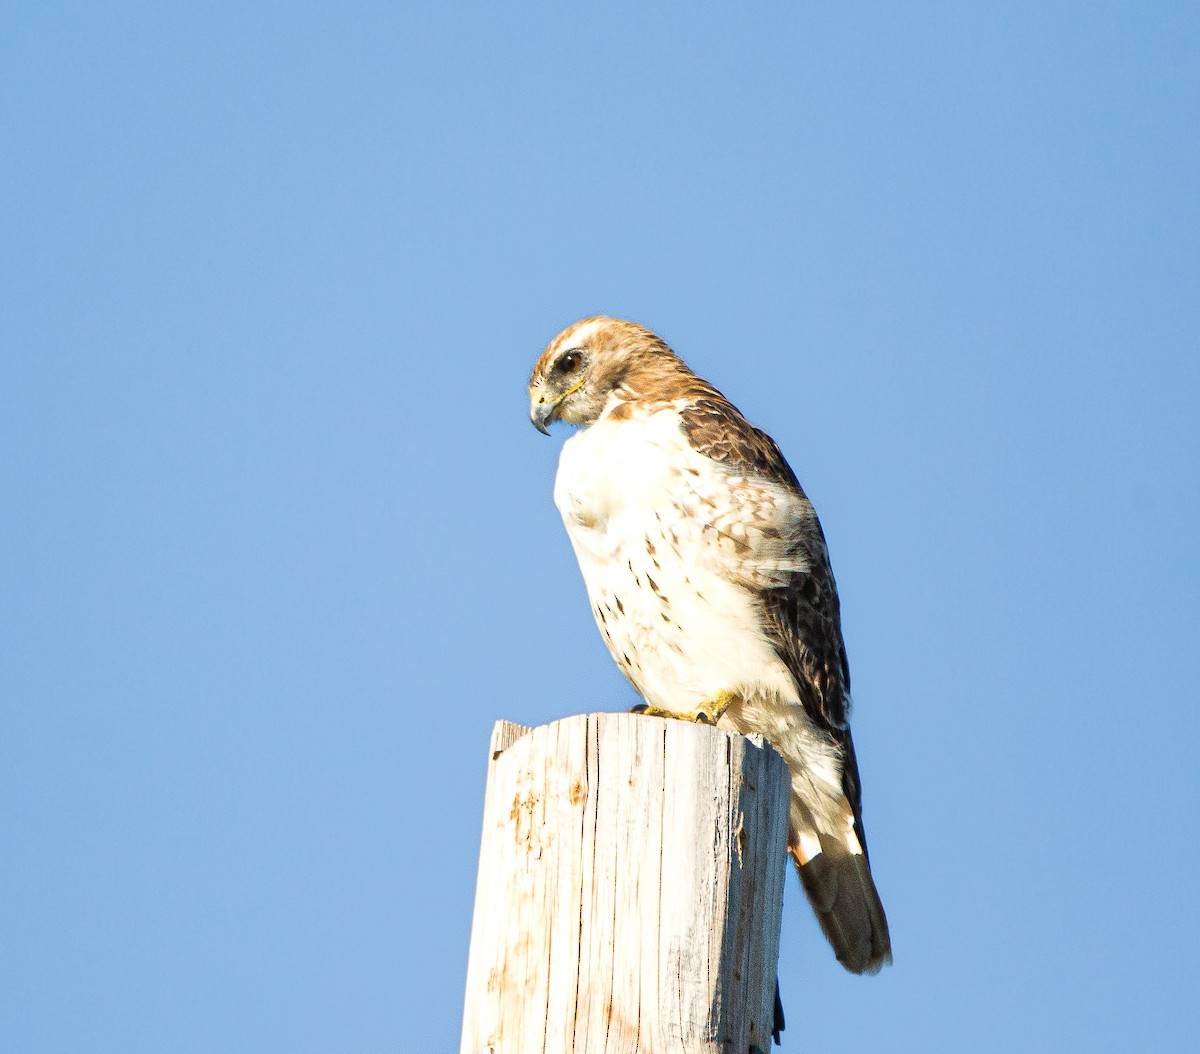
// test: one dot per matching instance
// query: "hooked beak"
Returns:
(542, 412)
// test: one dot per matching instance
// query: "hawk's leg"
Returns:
(708, 713)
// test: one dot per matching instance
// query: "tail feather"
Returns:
(843, 895)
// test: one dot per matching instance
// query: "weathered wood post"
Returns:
(630, 890)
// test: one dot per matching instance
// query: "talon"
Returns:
(648, 710)
(711, 713)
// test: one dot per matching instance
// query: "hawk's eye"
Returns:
(569, 363)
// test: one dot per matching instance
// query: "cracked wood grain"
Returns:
(629, 891)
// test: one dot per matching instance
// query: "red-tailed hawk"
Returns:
(709, 578)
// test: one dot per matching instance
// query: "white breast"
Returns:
(670, 555)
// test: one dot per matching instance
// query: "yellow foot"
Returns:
(708, 714)
(712, 710)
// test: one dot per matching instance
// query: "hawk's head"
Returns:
(590, 360)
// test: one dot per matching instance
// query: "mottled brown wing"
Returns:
(803, 616)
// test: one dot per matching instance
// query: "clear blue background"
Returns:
(277, 543)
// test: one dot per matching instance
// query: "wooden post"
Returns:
(630, 890)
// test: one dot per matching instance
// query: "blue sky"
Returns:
(278, 545)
